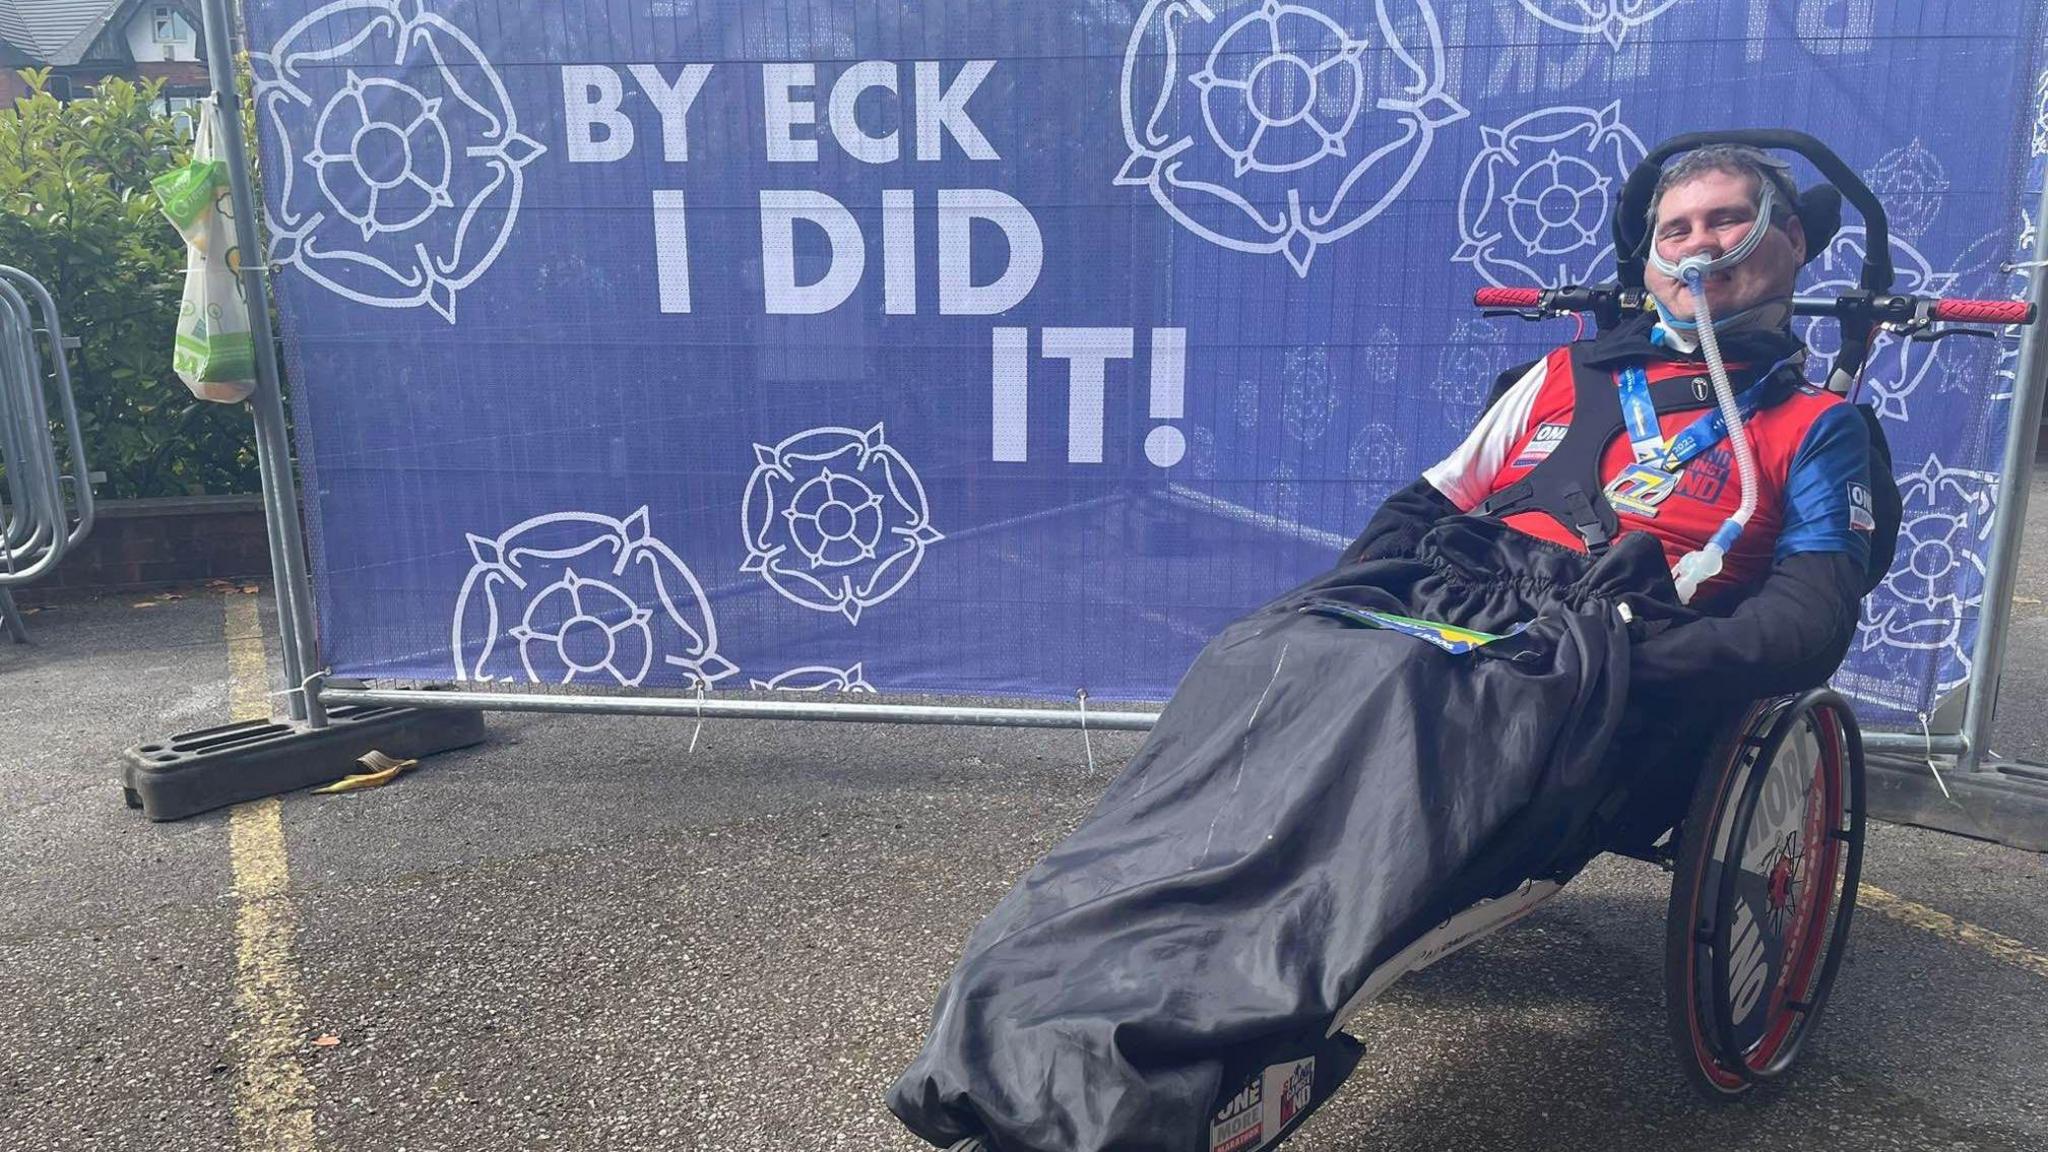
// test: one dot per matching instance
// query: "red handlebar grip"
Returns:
(1511, 298)
(1984, 311)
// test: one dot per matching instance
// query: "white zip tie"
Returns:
(1087, 741)
(2016, 265)
(304, 685)
(1927, 734)
(699, 729)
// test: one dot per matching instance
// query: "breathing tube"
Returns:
(1697, 567)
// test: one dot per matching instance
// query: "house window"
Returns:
(183, 112)
(168, 29)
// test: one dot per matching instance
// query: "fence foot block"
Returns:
(215, 767)
(2005, 801)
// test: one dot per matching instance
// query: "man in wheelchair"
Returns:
(1518, 664)
(1781, 613)
(1788, 593)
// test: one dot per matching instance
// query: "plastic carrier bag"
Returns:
(212, 353)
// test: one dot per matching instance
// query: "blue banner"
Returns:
(1014, 346)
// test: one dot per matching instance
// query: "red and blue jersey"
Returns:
(1812, 455)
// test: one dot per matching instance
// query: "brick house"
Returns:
(83, 42)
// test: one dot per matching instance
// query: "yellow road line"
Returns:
(247, 679)
(274, 1102)
(1998, 945)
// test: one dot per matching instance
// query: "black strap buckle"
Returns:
(1586, 518)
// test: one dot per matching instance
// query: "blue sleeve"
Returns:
(1827, 494)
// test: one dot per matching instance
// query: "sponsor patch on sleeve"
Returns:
(1540, 445)
(1261, 1111)
(1241, 1123)
(1860, 516)
(1290, 1088)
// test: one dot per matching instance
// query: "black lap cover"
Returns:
(1315, 797)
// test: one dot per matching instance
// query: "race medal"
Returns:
(1640, 488)
(1651, 480)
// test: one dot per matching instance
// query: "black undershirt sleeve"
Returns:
(1398, 526)
(1790, 635)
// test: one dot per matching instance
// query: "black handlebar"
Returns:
(1611, 301)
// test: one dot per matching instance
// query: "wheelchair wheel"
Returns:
(1766, 871)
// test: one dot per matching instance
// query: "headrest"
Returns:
(1820, 213)
(1819, 208)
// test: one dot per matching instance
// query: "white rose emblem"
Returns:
(1897, 368)
(836, 520)
(1537, 198)
(1375, 459)
(2040, 134)
(1379, 359)
(1264, 126)
(1938, 579)
(1609, 19)
(1987, 368)
(1473, 357)
(1245, 405)
(819, 678)
(1280, 495)
(583, 598)
(1909, 182)
(401, 166)
(2020, 286)
(1205, 454)
(1311, 398)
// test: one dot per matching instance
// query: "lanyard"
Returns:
(1648, 440)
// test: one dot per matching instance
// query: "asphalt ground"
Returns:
(583, 936)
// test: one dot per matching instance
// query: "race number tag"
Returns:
(1449, 637)
(1640, 488)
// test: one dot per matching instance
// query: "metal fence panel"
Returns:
(1013, 346)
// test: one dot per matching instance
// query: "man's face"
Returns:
(1711, 214)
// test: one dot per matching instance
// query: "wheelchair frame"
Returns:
(1722, 953)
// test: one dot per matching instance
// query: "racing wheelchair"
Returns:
(1758, 813)
(1766, 855)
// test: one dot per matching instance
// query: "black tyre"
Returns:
(1763, 891)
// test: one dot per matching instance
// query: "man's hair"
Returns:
(1737, 160)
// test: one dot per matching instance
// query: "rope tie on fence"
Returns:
(2016, 265)
(306, 687)
(1087, 741)
(1927, 734)
(698, 730)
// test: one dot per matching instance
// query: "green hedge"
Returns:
(76, 213)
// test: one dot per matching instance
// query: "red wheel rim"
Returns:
(1810, 885)
(1806, 940)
